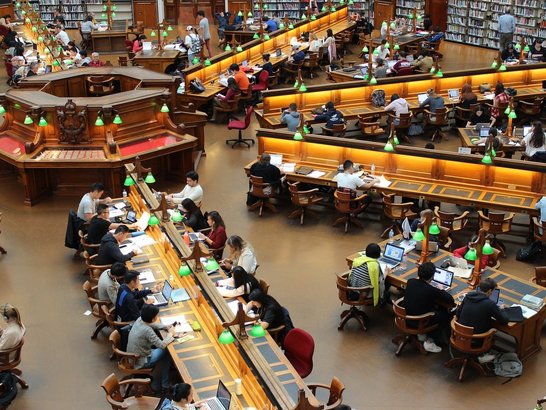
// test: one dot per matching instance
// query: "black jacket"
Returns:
(195, 220)
(269, 173)
(128, 303)
(109, 251)
(477, 311)
(421, 297)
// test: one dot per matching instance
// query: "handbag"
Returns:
(485, 88)
(196, 86)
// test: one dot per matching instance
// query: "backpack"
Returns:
(8, 391)
(195, 46)
(378, 98)
(527, 252)
(507, 365)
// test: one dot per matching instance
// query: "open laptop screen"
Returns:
(443, 276)
(223, 395)
(421, 98)
(394, 252)
(453, 94)
(167, 290)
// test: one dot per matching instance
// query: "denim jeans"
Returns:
(160, 361)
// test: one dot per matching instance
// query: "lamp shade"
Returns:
(256, 36)
(290, 26)
(228, 48)
(517, 47)
(303, 17)
(128, 181)
(388, 146)
(239, 49)
(351, 2)
(419, 235)
(207, 62)
(487, 159)
(153, 221)
(249, 14)
(117, 120)
(99, 122)
(439, 73)
(28, 120)
(306, 129)
(502, 67)
(240, 14)
(494, 64)
(526, 48)
(195, 60)
(2, 109)
(149, 178)
(512, 114)
(434, 229)
(170, 28)
(410, 16)
(333, 9)
(365, 49)
(184, 270)
(176, 217)
(387, 45)
(257, 330)
(164, 108)
(303, 88)
(393, 25)
(373, 80)
(42, 122)
(471, 254)
(323, 9)
(164, 33)
(298, 136)
(153, 33)
(396, 46)
(281, 26)
(395, 140)
(211, 265)
(487, 249)
(433, 70)
(266, 37)
(313, 17)
(226, 337)
(507, 111)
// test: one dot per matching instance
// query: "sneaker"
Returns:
(486, 358)
(421, 338)
(431, 347)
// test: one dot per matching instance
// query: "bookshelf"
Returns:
(124, 10)
(290, 8)
(365, 6)
(72, 10)
(405, 7)
(476, 23)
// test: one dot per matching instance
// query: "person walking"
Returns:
(507, 27)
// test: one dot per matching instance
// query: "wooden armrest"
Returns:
(428, 112)
(482, 216)
(448, 243)
(361, 289)
(142, 382)
(99, 302)
(462, 216)
(314, 386)
(309, 191)
(509, 217)
(369, 124)
(484, 335)
(420, 317)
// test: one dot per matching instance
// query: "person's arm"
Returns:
(116, 254)
(132, 312)
(442, 297)
(499, 314)
(425, 103)
(112, 291)
(154, 340)
(231, 292)
(390, 107)
(217, 239)
(247, 261)
(460, 252)
(192, 221)
(283, 117)
(140, 294)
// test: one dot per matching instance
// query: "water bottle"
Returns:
(373, 170)
(124, 193)
(171, 279)
(391, 235)
(186, 238)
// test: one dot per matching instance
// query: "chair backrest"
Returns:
(248, 116)
(10, 358)
(342, 201)
(498, 223)
(339, 128)
(404, 120)
(122, 61)
(365, 294)
(440, 116)
(539, 229)
(312, 61)
(258, 187)
(299, 348)
(89, 289)
(113, 394)
(462, 338)
(100, 84)
(263, 77)
(264, 286)
(392, 210)
(540, 275)
(451, 220)
(336, 392)
(418, 323)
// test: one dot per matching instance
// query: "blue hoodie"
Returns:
(291, 119)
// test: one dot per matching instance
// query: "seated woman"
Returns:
(500, 98)
(71, 46)
(366, 271)
(12, 334)
(509, 53)
(537, 52)
(240, 284)
(461, 252)
(137, 43)
(241, 254)
(269, 310)
(221, 100)
(534, 141)
(193, 216)
(480, 116)
(216, 238)
(467, 97)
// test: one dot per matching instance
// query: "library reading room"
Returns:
(272, 204)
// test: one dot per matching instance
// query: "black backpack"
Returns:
(8, 388)
(528, 252)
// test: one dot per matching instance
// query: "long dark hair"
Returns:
(217, 219)
(190, 206)
(499, 88)
(537, 138)
(231, 83)
(265, 300)
(241, 277)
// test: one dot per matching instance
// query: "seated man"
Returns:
(399, 106)
(269, 173)
(478, 311)
(100, 224)
(109, 251)
(297, 56)
(402, 66)
(95, 60)
(330, 115)
(366, 271)
(129, 300)
(89, 202)
(240, 78)
(61, 35)
(109, 282)
(424, 62)
(433, 102)
(192, 190)
(270, 23)
(382, 51)
(144, 342)
(346, 180)
(291, 117)
(421, 297)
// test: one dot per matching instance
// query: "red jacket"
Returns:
(459, 253)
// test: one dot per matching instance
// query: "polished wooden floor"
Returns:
(65, 368)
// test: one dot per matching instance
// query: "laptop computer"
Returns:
(527, 130)
(142, 222)
(245, 63)
(146, 45)
(422, 97)
(131, 217)
(495, 296)
(442, 279)
(453, 94)
(392, 256)
(276, 159)
(459, 266)
(222, 400)
(162, 299)
(278, 52)
(481, 125)
(484, 132)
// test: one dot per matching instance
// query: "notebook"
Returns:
(162, 298)
(453, 94)
(442, 279)
(421, 98)
(142, 222)
(304, 170)
(392, 256)
(222, 400)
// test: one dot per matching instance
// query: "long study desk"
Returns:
(509, 185)
(354, 98)
(268, 380)
(509, 145)
(526, 334)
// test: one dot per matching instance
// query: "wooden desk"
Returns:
(109, 41)
(509, 185)
(241, 36)
(268, 379)
(526, 334)
(509, 147)
(156, 60)
(403, 40)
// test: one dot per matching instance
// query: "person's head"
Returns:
(71, 45)
(497, 144)
(95, 56)
(33, 66)
(235, 244)
(73, 52)
(231, 83)
(200, 14)
(426, 271)
(89, 18)
(182, 393)
(329, 33)
(538, 44)
(260, 299)
(11, 314)
(141, 37)
(240, 276)
(131, 279)
(373, 251)
(313, 36)
(103, 211)
(97, 190)
(394, 97)
(431, 92)
(293, 107)
(348, 166)
(507, 10)
(149, 313)
(487, 286)
(265, 159)
(83, 54)
(266, 57)
(192, 178)
(214, 220)
(234, 67)
(537, 137)
(466, 89)
(383, 43)
(403, 55)
(57, 12)
(7, 18)
(118, 271)
(189, 29)
(493, 132)
(510, 46)
(479, 109)
(121, 233)
(379, 62)
(58, 28)
(329, 106)
(429, 145)
(265, 19)
(499, 88)
(189, 206)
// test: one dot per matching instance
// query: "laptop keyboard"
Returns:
(214, 405)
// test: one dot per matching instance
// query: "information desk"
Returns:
(109, 41)
(509, 185)
(509, 145)
(354, 98)
(403, 40)
(526, 334)
(268, 379)
(156, 60)
(241, 36)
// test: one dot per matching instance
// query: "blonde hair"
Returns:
(11, 312)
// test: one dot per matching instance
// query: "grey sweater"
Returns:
(291, 119)
(142, 337)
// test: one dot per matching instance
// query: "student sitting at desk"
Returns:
(109, 251)
(100, 224)
(12, 334)
(270, 311)
(58, 18)
(270, 174)
(500, 98)
(399, 106)
(271, 25)
(347, 180)
(421, 297)
(402, 66)
(433, 102)
(95, 60)
(110, 281)
(137, 43)
(33, 68)
(297, 55)
(223, 101)
(181, 398)
(89, 202)
(461, 252)
(480, 116)
(61, 35)
(191, 190)
(84, 60)
(267, 65)
(330, 115)
(534, 141)
(240, 78)
(216, 238)
(241, 254)
(381, 69)
(383, 52)
(193, 217)
(366, 271)
(291, 117)
(241, 283)
(314, 43)
(537, 52)
(130, 299)
(424, 62)
(509, 53)
(467, 97)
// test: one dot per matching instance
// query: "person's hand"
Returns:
(149, 301)
(201, 236)
(157, 288)
(137, 250)
(107, 199)
(171, 331)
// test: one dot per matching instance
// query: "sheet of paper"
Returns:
(142, 240)
(146, 276)
(120, 205)
(183, 327)
(115, 212)
(288, 167)
(126, 249)
(316, 174)
(383, 182)
(407, 245)
(460, 272)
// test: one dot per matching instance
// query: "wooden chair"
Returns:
(110, 315)
(401, 124)
(264, 286)
(274, 78)
(444, 238)
(95, 305)
(463, 115)
(114, 397)
(123, 61)
(229, 107)
(236, 124)
(464, 340)
(2, 250)
(529, 110)
(311, 63)
(436, 120)
(335, 392)
(365, 298)
(299, 348)
(450, 220)
(349, 207)
(396, 213)
(246, 96)
(291, 71)
(98, 86)
(540, 276)
(411, 326)
(264, 191)
(93, 270)
(337, 130)
(90, 248)
(10, 359)
(302, 200)
(539, 230)
(126, 361)
(370, 126)
(495, 223)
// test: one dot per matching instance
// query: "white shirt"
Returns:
(63, 37)
(195, 193)
(399, 106)
(542, 206)
(529, 150)
(247, 260)
(87, 205)
(11, 336)
(350, 181)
